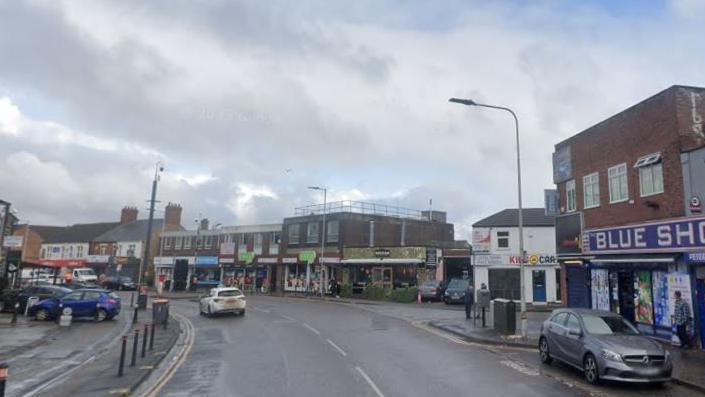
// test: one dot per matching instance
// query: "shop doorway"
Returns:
(180, 274)
(625, 280)
(539, 285)
(382, 276)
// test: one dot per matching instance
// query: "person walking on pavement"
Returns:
(469, 300)
(681, 318)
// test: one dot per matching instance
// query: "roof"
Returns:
(510, 218)
(133, 231)
(82, 232)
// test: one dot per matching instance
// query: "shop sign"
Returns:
(394, 253)
(330, 259)
(227, 249)
(431, 257)
(103, 259)
(695, 257)
(675, 235)
(268, 260)
(307, 256)
(490, 260)
(382, 253)
(246, 257)
(568, 229)
(226, 260)
(542, 259)
(290, 260)
(562, 167)
(695, 205)
(12, 242)
(206, 260)
(481, 239)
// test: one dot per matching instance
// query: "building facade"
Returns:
(631, 230)
(496, 257)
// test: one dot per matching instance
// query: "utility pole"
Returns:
(142, 299)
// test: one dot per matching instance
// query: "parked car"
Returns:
(431, 290)
(42, 292)
(97, 303)
(84, 274)
(119, 283)
(223, 300)
(604, 346)
(80, 285)
(455, 292)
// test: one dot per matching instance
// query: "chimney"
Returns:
(204, 224)
(172, 214)
(129, 214)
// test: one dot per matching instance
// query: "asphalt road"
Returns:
(292, 347)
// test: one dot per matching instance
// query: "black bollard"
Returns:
(3, 378)
(14, 313)
(134, 315)
(151, 337)
(483, 317)
(122, 355)
(132, 299)
(144, 339)
(134, 348)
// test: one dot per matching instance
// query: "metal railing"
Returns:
(359, 207)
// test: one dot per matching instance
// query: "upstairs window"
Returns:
(178, 243)
(294, 233)
(570, 196)
(209, 242)
(167, 243)
(618, 183)
(650, 174)
(187, 242)
(591, 190)
(503, 239)
(332, 230)
(312, 233)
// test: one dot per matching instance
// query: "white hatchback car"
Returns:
(223, 300)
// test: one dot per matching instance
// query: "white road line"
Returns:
(285, 317)
(315, 331)
(370, 382)
(336, 347)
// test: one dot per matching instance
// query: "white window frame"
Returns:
(620, 174)
(570, 196)
(187, 242)
(591, 190)
(167, 243)
(503, 237)
(650, 170)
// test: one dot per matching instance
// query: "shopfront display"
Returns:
(295, 277)
(600, 289)
(659, 280)
(643, 302)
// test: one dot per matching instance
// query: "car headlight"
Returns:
(611, 356)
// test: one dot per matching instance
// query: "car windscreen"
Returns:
(430, 284)
(458, 284)
(608, 325)
(86, 272)
(230, 292)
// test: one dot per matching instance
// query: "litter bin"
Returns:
(160, 311)
(504, 316)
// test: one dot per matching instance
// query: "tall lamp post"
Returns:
(469, 102)
(323, 232)
(142, 298)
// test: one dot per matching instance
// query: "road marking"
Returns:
(370, 382)
(315, 331)
(336, 347)
(59, 378)
(520, 367)
(285, 317)
(178, 360)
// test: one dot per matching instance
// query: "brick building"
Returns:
(630, 228)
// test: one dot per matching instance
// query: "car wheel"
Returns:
(590, 370)
(242, 313)
(543, 351)
(42, 315)
(101, 315)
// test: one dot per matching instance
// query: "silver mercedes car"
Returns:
(604, 346)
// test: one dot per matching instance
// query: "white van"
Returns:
(84, 274)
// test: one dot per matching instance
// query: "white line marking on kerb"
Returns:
(370, 382)
(315, 331)
(336, 347)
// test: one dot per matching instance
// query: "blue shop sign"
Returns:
(678, 235)
(695, 257)
(206, 260)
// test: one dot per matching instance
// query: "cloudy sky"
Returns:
(249, 102)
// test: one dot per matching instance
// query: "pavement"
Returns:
(304, 347)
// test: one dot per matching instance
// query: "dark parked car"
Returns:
(96, 303)
(42, 292)
(119, 283)
(455, 293)
(603, 345)
(80, 285)
(431, 290)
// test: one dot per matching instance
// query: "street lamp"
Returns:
(470, 102)
(323, 235)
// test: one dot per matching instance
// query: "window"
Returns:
(618, 183)
(44, 253)
(167, 243)
(274, 240)
(79, 251)
(131, 249)
(572, 323)
(591, 190)
(187, 242)
(570, 195)
(502, 239)
(559, 318)
(208, 241)
(332, 230)
(651, 179)
(178, 243)
(74, 296)
(294, 233)
(258, 240)
(91, 296)
(199, 242)
(71, 252)
(312, 232)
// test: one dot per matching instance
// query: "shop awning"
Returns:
(380, 261)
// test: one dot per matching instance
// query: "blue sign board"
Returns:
(206, 260)
(695, 257)
(677, 235)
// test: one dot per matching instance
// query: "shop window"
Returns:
(570, 196)
(503, 239)
(312, 232)
(591, 190)
(504, 283)
(618, 183)
(294, 233)
(332, 230)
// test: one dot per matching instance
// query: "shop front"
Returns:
(635, 271)
(501, 273)
(387, 267)
(206, 271)
(164, 271)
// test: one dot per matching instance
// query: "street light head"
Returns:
(467, 102)
(315, 188)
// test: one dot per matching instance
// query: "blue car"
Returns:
(96, 303)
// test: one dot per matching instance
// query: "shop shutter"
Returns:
(577, 287)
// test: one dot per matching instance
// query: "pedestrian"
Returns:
(682, 318)
(469, 300)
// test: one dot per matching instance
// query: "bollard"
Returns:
(134, 348)
(144, 339)
(132, 299)
(122, 355)
(151, 338)
(134, 315)
(3, 378)
(14, 313)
